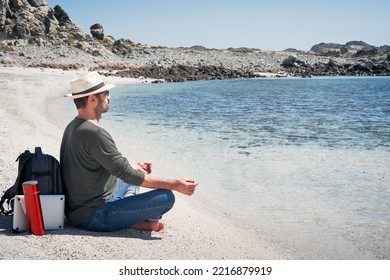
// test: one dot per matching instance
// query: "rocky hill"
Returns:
(25, 22)
(36, 35)
(352, 46)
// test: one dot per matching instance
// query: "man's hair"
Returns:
(81, 102)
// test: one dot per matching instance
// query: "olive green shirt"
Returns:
(91, 164)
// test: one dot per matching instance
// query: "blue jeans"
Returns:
(124, 188)
(122, 212)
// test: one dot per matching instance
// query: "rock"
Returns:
(97, 31)
(289, 61)
(38, 3)
(96, 53)
(61, 16)
(182, 73)
(367, 52)
(7, 61)
(123, 46)
(344, 50)
(332, 63)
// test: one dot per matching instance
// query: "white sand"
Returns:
(191, 232)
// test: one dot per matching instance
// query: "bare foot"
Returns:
(149, 226)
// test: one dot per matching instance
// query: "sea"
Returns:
(302, 162)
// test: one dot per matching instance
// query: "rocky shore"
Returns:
(177, 65)
(32, 34)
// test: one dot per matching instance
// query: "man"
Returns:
(98, 178)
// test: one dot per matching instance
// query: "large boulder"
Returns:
(289, 61)
(61, 16)
(123, 46)
(97, 31)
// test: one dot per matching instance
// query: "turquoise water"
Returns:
(305, 163)
(303, 160)
(337, 112)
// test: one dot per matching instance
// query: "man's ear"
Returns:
(92, 98)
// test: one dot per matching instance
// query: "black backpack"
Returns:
(34, 166)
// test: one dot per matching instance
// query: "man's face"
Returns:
(103, 102)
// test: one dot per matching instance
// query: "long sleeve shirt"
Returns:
(91, 164)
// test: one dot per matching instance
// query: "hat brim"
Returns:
(104, 88)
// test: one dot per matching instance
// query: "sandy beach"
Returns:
(192, 232)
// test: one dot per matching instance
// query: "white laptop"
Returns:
(53, 207)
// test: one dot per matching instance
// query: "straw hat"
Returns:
(87, 84)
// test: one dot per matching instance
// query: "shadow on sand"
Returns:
(6, 229)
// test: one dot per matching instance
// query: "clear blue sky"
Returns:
(263, 24)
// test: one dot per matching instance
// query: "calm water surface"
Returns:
(336, 112)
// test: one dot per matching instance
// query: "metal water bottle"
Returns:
(33, 207)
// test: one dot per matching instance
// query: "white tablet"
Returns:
(53, 207)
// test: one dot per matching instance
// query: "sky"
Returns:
(261, 24)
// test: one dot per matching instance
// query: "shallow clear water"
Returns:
(304, 162)
(337, 112)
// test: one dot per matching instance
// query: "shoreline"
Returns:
(191, 232)
(180, 65)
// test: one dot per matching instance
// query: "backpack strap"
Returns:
(9, 203)
(8, 196)
(2, 209)
(7, 199)
(23, 158)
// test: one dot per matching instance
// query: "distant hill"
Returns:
(351, 46)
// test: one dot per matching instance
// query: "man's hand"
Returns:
(144, 167)
(185, 186)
